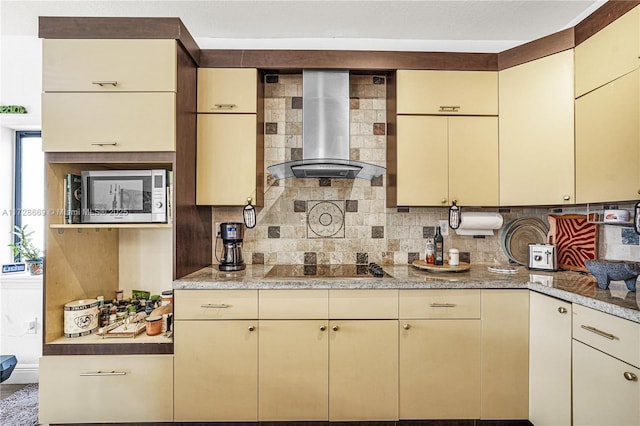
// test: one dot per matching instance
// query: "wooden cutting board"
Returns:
(421, 264)
(576, 239)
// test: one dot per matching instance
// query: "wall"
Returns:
(288, 225)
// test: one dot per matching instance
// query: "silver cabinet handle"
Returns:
(104, 143)
(449, 108)
(214, 305)
(251, 328)
(323, 327)
(103, 83)
(224, 106)
(562, 310)
(406, 326)
(443, 305)
(104, 373)
(566, 198)
(630, 376)
(599, 332)
(443, 201)
(335, 328)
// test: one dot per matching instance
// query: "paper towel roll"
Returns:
(479, 223)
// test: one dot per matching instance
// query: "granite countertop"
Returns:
(570, 286)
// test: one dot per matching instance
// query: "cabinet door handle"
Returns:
(323, 327)
(224, 106)
(103, 83)
(214, 305)
(335, 328)
(443, 305)
(566, 198)
(630, 376)
(449, 108)
(104, 143)
(599, 332)
(406, 326)
(104, 373)
(562, 310)
(251, 328)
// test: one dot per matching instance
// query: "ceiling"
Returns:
(418, 25)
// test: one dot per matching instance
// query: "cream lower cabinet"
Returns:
(106, 389)
(440, 340)
(440, 369)
(216, 366)
(505, 354)
(216, 355)
(606, 390)
(549, 361)
(293, 380)
(441, 159)
(608, 142)
(363, 370)
(606, 373)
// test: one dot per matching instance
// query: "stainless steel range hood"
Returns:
(325, 132)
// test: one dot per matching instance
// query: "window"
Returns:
(29, 185)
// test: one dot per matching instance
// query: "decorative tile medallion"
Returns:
(325, 219)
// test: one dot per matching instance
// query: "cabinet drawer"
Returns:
(615, 336)
(363, 304)
(439, 304)
(293, 304)
(216, 304)
(447, 92)
(108, 122)
(106, 389)
(109, 65)
(227, 90)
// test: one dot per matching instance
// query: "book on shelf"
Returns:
(72, 198)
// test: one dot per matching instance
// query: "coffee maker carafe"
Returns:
(232, 234)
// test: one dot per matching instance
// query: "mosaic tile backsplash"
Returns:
(336, 221)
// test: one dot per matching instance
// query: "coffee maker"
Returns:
(232, 234)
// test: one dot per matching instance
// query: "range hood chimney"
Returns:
(325, 132)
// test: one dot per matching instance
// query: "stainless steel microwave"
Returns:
(124, 196)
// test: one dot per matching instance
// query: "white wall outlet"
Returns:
(31, 326)
(444, 227)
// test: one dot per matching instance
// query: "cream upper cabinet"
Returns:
(108, 122)
(608, 54)
(226, 161)
(537, 132)
(92, 65)
(441, 159)
(105, 389)
(447, 92)
(549, 361)
(227, 90)
(608, 142)
(505, 354)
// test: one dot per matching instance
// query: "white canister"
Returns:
(616, 216)
(454, 257)
(80, 317)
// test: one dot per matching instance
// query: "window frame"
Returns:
(17, 180)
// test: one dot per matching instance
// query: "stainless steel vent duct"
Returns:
(325, 132)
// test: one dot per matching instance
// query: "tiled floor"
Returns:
(6, 390)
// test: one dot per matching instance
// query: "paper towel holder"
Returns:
(479, 223)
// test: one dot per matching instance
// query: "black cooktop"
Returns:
(327, 271)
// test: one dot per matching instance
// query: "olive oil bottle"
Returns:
(438, 243)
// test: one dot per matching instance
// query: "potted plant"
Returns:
(28, 252)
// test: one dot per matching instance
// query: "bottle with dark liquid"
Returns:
(438, 246)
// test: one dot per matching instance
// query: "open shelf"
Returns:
(95, 344)
(109, 225)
